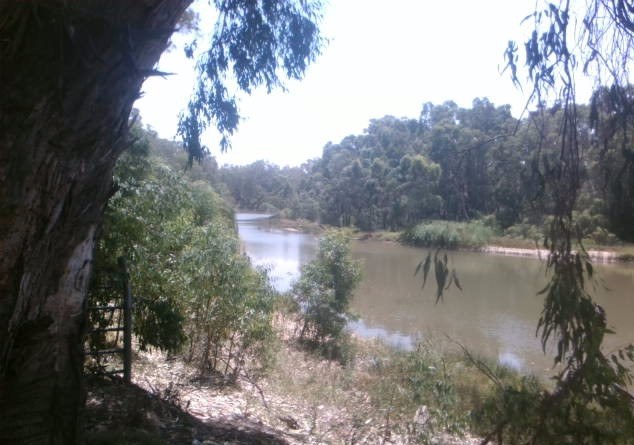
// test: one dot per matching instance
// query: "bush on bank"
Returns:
(448, 234)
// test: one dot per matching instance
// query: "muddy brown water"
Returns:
(495, 315)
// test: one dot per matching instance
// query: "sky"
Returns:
(383, 57)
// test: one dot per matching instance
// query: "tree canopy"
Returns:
(253, 44)
(453, 163)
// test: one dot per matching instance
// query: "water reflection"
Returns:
(494, 316)
(283, 252)
(395, 339)
(511, 360)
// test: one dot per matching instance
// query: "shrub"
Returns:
(419, 391)
(324, 291)
(524, 230)
(149, 222)
(229, 304)
(188, 278)
(448, 234)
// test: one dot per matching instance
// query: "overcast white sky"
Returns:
(385, 57)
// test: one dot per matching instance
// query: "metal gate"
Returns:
(116, 316)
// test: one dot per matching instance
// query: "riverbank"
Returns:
(518, 247)
(600, 256)
(383, 396)
(298, 225)
(506, 246)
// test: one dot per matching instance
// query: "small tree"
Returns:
(229, 304)
(324, 290)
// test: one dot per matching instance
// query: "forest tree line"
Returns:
(456, 164)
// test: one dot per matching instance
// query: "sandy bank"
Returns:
(596, 255)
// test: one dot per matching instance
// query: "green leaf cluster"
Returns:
(229, 304)
(448, 234)
(254, 43)
(324, 291)
(191, 284)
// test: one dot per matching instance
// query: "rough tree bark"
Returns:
(69, 74)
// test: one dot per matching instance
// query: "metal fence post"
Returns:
(127, 322)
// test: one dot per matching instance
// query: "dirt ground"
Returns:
(304, 400)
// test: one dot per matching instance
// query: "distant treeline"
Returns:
(455, 164)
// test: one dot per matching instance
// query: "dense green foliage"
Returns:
(148, 223)
(229, 304)
(448, 234)
(453, 164)
(324, 291)
(263, 187)
(191, 285)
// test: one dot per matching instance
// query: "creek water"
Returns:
(495, 315)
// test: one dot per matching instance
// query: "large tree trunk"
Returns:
(69, 74)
